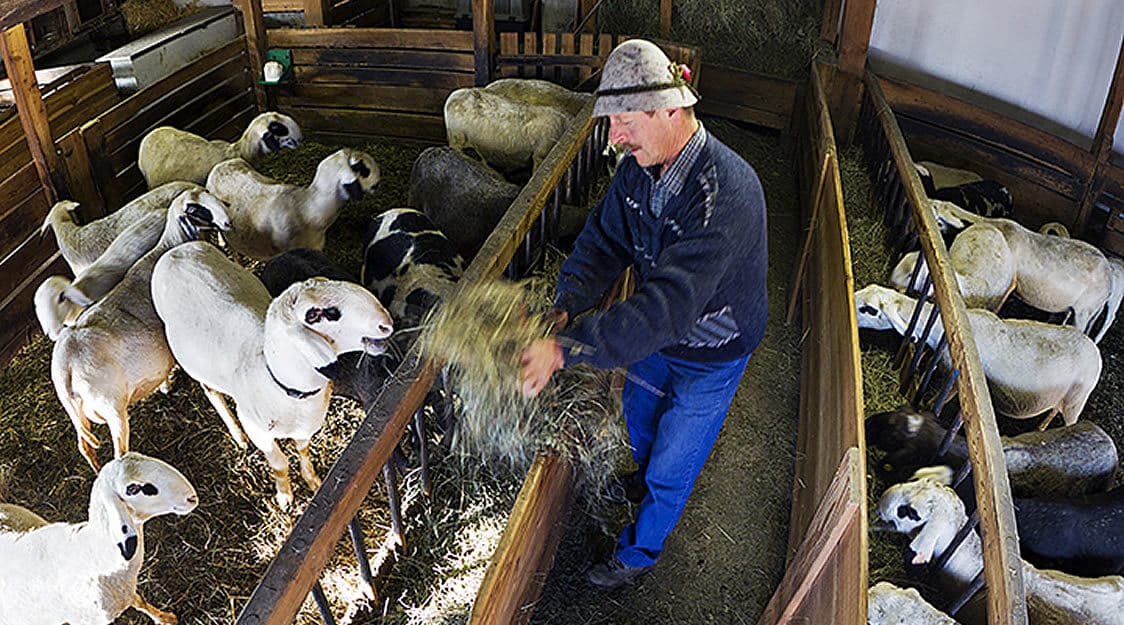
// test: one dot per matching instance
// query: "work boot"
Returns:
(613, 574)
(631, 488)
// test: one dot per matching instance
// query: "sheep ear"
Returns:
(270, 141)
(76, 296)
(121, 524)
(189, 229)
(313, 347)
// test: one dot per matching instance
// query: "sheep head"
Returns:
(134, 488)
(58, 303)
(195, 210)
(950, 217)
(356, 171)
(324, 318)
(927, 504)
(903, 271)
(880, 308)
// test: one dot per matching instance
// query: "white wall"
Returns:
(1046, 62)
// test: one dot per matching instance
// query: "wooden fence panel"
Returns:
(89, 95)
(745, 96)
(568, 58)
(354, 85)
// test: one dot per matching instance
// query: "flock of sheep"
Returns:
(148, 294)
(1070, 529)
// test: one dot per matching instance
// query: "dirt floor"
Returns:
(726, 556)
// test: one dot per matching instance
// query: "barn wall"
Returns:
(1047, 63)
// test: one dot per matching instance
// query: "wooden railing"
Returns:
(512, 246)
(26, 257)
(826, 577)
(899, 193)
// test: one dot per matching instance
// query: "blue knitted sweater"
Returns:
(700, 267)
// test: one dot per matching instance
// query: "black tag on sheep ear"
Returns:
(271, 142)
(330, 370)
(360, 168)
(129, 547)
(278, 129)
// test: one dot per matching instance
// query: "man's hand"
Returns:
(557, 320)
(540, 361)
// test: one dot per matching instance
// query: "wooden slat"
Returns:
(435, 79)
(29, 103)
(256, 42)
(398, 59)
(986, 126)
(830, 25)
(509, 46)
(17, 188)
(17, 311)
(22, 222)
(11, 132)
(585, 7)
(745, 96)
(13, 159)
(483, 39)
(665, 19)
(513, 581)
(359, 38)
(568, 76)
(532, 46)
(282, 6)
(83, 98)
(550, 49)
(100, 166)
(585, 48)
(351, 121)
(839, 512)
(22, 255)
(317, 12)
(227, 120)
(1103, 139)
(542, 60)
(378, 97)
(1006, 602)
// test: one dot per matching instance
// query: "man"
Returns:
(689, 215)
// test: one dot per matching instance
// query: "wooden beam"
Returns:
(484, 38)
(317, 12)
(854, 35)
(256, 44)
(665, 19)
(14, 12)
(829, 29)
(32, 111)
(1102, 141)
(526, 549)
(1006, 598)
(585, 7)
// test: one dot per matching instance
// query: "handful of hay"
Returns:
(480, 333)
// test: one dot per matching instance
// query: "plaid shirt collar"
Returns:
(675, 177)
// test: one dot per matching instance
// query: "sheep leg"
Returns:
(157, 615)
(280, 466)
(118, 422)
(307, 470)
(87, 442)
(219, 402)
(1046, 422)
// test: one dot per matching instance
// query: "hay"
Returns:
(145, 16)
(480, 333)
(774, 38)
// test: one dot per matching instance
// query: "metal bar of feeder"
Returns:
(942, 346)
(555, 213)
(322, 604)
(953, 430)
(394, 503)
(976, 585)
(961, 474)
(911, 288)
(946, 392)
(907, 337)
(934, 314)
(943, 559)
(360, 547)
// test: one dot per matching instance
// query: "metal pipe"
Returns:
(907, 337)
(360, 547)
(394, 503)
(423, 451)
(946, 443)
(942, 346)
(322, 604)
(976, 585)
(943, 559)
(945, 392)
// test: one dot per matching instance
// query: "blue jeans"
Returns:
(671, 436)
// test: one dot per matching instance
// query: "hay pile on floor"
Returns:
(480, 333)
(145, 16)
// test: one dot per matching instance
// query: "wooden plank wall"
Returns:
(831, 412)
(354, 85)
(745, 96)
(341, 12)
(26, 257)
(1045, 174)
(568, 58)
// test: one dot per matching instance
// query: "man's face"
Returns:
(648, 135)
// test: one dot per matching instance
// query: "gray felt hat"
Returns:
(638, 76)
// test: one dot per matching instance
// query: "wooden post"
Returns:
(317, 12)
(585, 7)
(830, 26)
(256, 44)
(851, 46)
(484, 38)
(1102, 142)
(32, 110)
(665, 19)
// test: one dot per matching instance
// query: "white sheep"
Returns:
(1031, 367)
(927, 505)
(275, 357)
(271, 217)
(59, 301)
(167, 153)
(540, 92)
(1053, 274)
(86, 573)
(983, 264)
(508, 134)
(115, 354)
(886, 604)
(82, 245)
